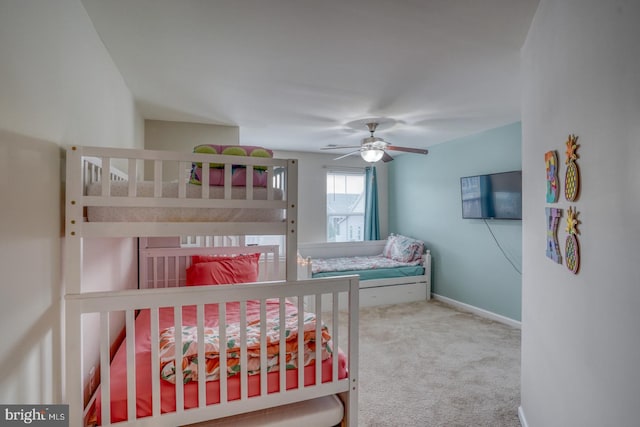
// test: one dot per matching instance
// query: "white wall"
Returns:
(58, 86)
(312, 191)
(109, 264)
(580, 340)
(183, 136)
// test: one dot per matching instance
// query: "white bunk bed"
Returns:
(377, 291)
(297, 395)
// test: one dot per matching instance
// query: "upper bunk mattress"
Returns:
(180, 214)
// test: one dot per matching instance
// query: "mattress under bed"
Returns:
(322, 411)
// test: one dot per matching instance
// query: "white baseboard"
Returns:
(479, 311)
(523, 420)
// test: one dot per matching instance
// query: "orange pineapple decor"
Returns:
(571, 245)
(572, 174)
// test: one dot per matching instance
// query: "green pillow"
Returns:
(208, 149)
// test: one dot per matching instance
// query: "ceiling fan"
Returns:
(374, 148)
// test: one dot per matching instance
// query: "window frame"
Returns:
(344, 171)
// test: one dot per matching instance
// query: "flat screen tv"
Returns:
(492, 196)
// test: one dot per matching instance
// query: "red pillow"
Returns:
(197, 259)
(223, 270)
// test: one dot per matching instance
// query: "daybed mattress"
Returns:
(367, 267)
(170, 190)
(379, 273)
(167, 389)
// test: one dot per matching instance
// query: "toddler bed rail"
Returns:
(188, 311)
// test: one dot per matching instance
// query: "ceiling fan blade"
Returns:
(386, 157)
(338, 147)
(347, 155)
(407, 149)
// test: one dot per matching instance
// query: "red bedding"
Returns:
(167, 389)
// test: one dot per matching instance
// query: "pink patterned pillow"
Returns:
(403, 249)
(388, 247)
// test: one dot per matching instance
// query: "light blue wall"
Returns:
(424, 202)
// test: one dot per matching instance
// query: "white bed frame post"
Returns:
(72, 389)
(72, 365)
(292, 220)
(350, 398)
(73, 222)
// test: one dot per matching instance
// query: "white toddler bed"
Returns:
(167, 317)
(411, 284)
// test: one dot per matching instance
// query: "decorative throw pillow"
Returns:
(212, 270)
(389, 246)
(233, 150)
(229, 150)
(403, 248)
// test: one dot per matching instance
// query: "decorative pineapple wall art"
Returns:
(571, 193)
(572, 174)
(551, 163)
(571, 245)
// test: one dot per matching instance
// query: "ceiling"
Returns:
(293, 75)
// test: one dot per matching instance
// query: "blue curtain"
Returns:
(371, 217)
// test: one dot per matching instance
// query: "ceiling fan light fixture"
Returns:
(371, 155)
(373, 148)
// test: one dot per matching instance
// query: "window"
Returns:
(345, 206)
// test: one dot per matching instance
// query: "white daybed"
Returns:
(394, 290)
(148, 312)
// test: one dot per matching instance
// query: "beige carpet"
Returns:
(427, 364)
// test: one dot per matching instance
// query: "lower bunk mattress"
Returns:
(367, 267)
(181, 214)
(144, 405)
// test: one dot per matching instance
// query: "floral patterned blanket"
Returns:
(253, 338)
(323, 265)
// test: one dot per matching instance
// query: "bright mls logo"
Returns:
(34, 415)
